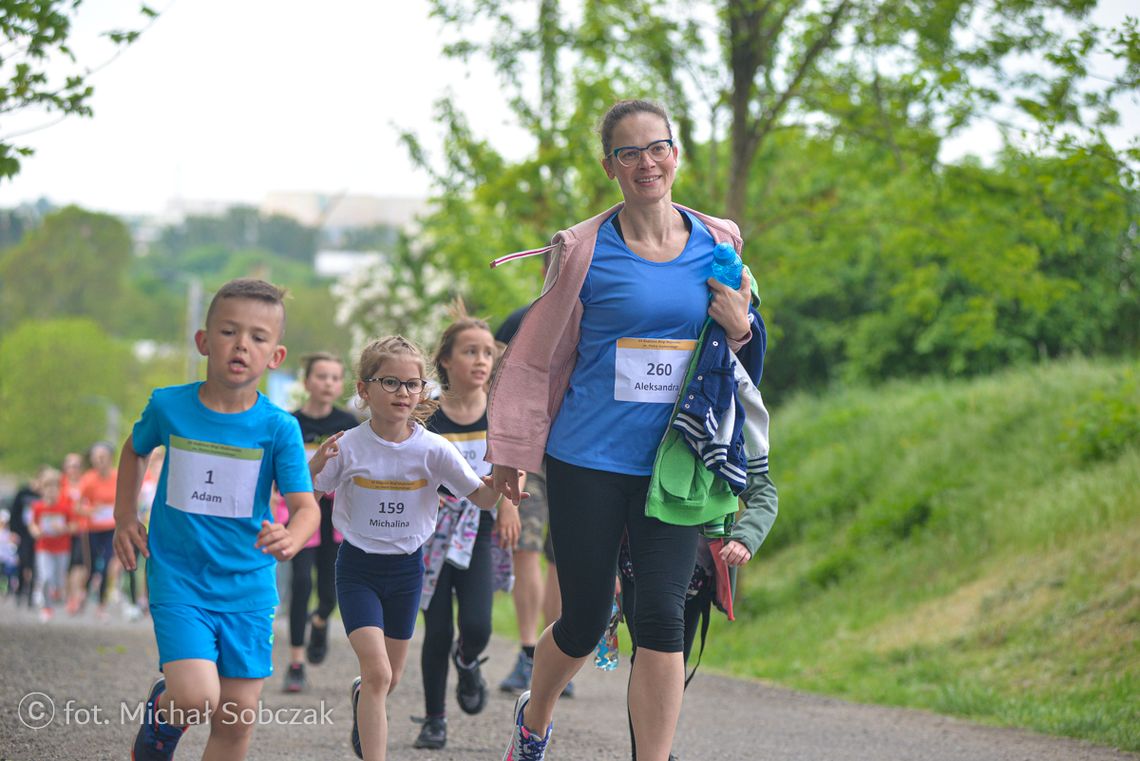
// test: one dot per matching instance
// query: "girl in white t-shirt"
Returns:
(386, 473)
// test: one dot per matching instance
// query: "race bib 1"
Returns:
(212, 479)
(651, 369)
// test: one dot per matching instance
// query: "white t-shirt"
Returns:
(387, 494)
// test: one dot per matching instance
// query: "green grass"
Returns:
(965, 547)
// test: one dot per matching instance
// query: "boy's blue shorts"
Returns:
(379, 590)
(241, 642)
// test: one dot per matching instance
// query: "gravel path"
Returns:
(104, 667)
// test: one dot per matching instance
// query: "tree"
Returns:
(32, 33)
(818, 126)
(64, 384)
(240, 228)
(73, 264)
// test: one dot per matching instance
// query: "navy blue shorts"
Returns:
(379, 590)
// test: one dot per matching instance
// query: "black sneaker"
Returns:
(295, 678)
(318, 642)
(433, 733)
(471, 692)
(355, 728)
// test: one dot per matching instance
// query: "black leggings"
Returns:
(590, 511)
(323, 556)
(102, 552)
(473, 592)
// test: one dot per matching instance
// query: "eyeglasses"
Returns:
(630, 155)
(391, 384)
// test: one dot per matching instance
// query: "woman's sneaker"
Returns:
(524, 745)
(433, 733)
(471, 692)
(355, 727)
(519, 678)
(156, 740)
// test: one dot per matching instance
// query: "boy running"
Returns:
(212, 536)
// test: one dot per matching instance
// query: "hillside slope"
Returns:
(968, 547)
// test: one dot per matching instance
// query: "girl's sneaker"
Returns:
(318, 642)
(433, 734)
(295, 678)
(524, 745)
(355, 727)
(471, 690)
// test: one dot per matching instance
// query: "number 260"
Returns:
(659, 368)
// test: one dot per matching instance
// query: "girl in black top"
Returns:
(459, 556)
(319, 419)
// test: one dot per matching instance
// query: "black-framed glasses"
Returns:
(391, 384)
(629, 155)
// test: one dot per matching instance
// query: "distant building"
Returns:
(340, 263)
(344, 211)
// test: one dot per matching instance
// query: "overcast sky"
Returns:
(228, 100)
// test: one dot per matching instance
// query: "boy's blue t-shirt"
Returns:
(640, 323)
(213, 495)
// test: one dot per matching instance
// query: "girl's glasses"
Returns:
(630, 155)
(391, 384)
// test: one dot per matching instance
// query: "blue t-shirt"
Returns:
(640, 323)
(213, 495)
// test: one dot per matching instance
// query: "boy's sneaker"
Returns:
(519, 678)
(156, 740)
(355, 728)
(471, 692)
(524, 745)
(295, 678)
(433, 733)
(318, 642)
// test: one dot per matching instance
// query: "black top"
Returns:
(21, 508)
(510, 325)
(472, 450)
(315, 430)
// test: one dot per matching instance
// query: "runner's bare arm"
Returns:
(130, 533)
(283, 542)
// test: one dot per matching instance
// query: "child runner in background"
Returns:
(458, 556)
(53, 522)
(79, 569)
(9, 553)
(97, 508)
(212, 538)
(21, 524)
(386, 473)
(319, 419)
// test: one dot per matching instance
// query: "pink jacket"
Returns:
(534, 373)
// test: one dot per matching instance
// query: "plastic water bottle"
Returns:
(727, 267)
(606, 653)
